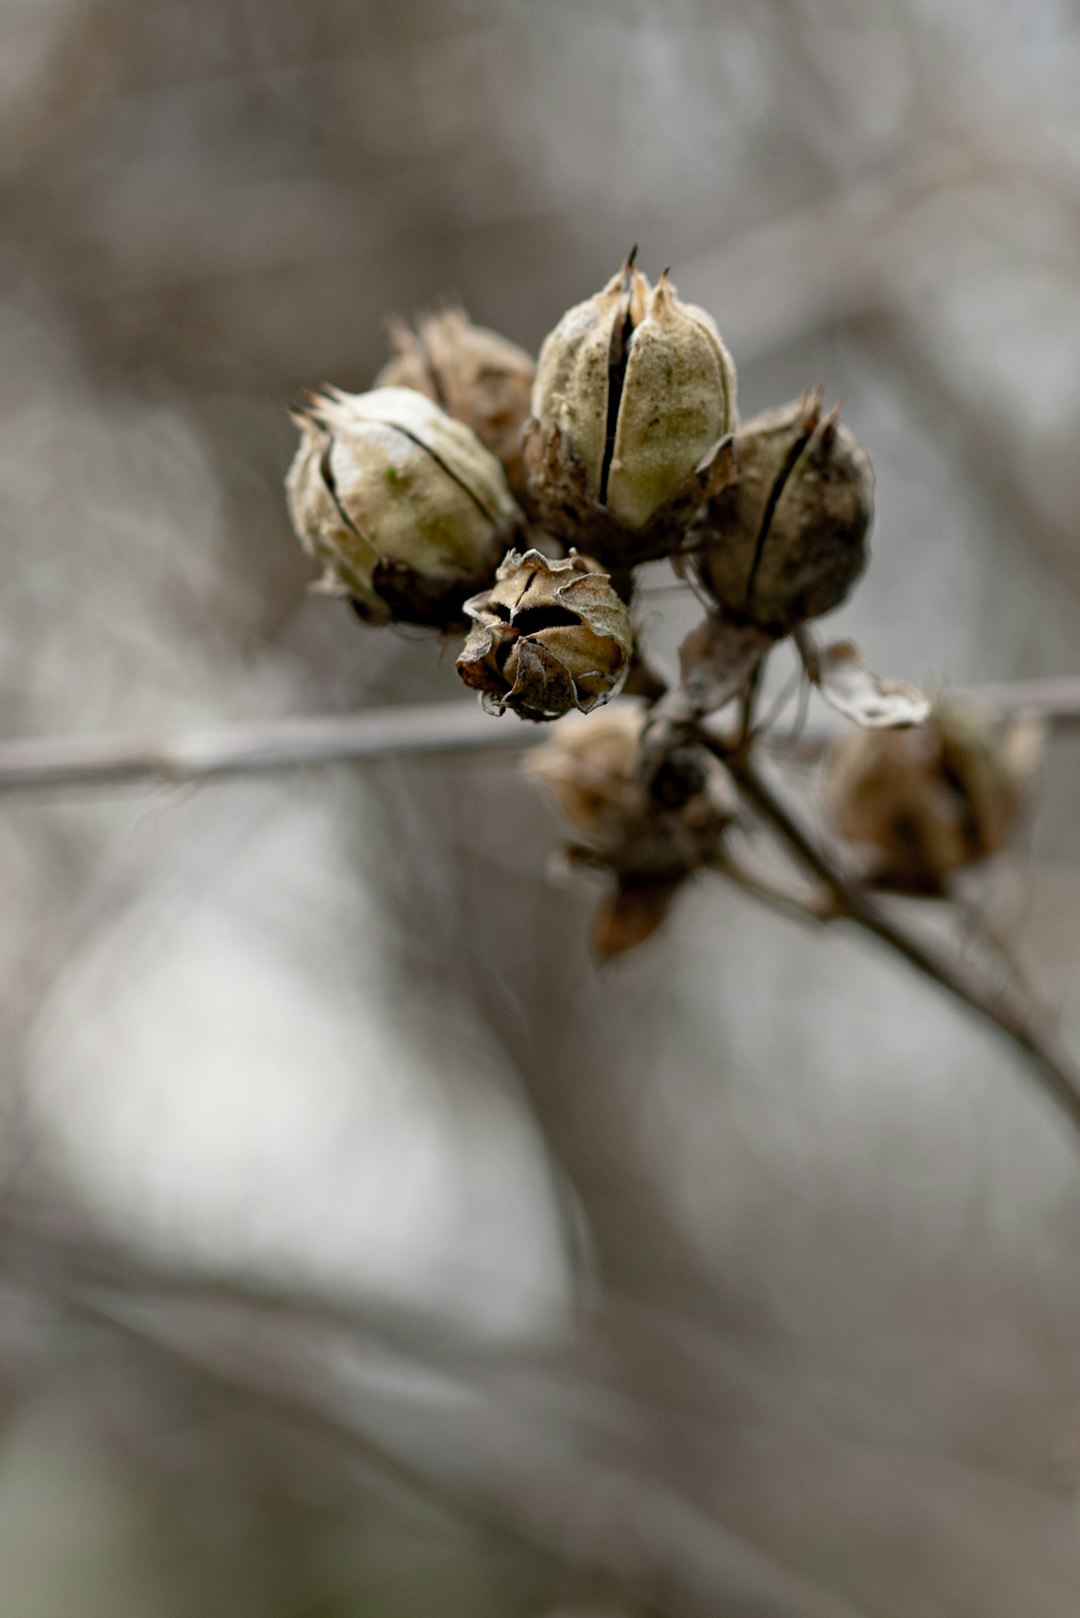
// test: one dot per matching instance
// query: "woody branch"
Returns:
(278, 745)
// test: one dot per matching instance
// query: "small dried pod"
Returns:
(476, 375)
(404, 507)
(785, 539)
(549, 637)
(602, 778)
(592, 771)
(927, 801)
(634, 391)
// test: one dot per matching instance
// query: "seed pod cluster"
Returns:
(548, 637)
(472, 491)
(404, 507)
(630, 453)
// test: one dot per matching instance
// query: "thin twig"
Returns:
(1016, 1016)
(750, 700)
(264, 747)
(274, 745)
(768, 890)
(301, 1410)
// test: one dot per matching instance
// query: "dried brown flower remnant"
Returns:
(476, 376)
(649, 832)
(785, 540)
(634, 389)
(926, 801)
(591, 770)
(550, 636)
(405, 508)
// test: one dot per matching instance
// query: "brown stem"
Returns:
(1019, 1018)
(646, 678)
(749, 701)
(761, 885)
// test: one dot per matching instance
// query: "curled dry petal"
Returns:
(841, 675)
(631, 914)
(549, 637)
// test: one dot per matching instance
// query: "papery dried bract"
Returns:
(840, 673)
(717, 661)
(549, 637)
(631, 914)
(785, 539)
(476, 375)
(928, 802)
(404, 506)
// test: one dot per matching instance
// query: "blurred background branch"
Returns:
(445, 727)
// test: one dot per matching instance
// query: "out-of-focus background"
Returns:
(362, 1250)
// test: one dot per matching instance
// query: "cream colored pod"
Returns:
(633, 390)
(405, 508)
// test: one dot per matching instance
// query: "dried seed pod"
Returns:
(926, 801)
(550, 636)
(476, 376)
(611, 792)
(592, 771)
(605, 782)
(633, 391)
(404, 506)
(785, 540)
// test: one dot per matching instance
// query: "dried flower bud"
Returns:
(929, 800)
(785, 540)
(592, 771)
(549, 637)
(633, 390)
(476, 376)
(604, 782)
(405, 507)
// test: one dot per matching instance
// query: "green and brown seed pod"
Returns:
(634, 390)
(404, 507)
(548, 637)
(786, 539)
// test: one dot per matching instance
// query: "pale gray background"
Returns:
(748, 1271)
